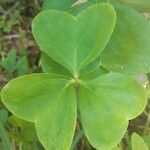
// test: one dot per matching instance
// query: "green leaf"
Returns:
(146, 139)
(135, 47)
(22, 66)
(74, 42)
(9, 62)
(49, 102)
(128, 50)
(106, 104)
(3, 116)
(57, 4)
(1, 146)
(139, 5)
(4, 138)
(27, 129)
(51, 66)
(15, 121)
(138, 143)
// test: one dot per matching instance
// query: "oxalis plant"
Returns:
(90, 61)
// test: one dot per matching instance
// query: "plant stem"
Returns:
(77, 138)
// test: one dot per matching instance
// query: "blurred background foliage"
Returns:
(19, 55)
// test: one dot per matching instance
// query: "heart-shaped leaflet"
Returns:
(73, 41)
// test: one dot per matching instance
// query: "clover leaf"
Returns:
(106, 104)
(138, 143)
(128, 50)
(74, 42)
(103, 101)
(139, 5)
(47, 100)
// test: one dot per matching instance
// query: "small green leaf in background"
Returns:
(22, 66)
(24, 133)
(1, 146)
(3, 116)
(129, 48)
(138, 143)
(139, 5)
(6, 144)
(9, 62)
(8, 21)
(4, 138)
(146, 139)
(57, 4)
(28, 131)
